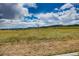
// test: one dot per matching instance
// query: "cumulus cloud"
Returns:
(30, 5)
(63, 17)
(12, 10)
(47, 16)
(16, 11)
(67, 5)
(44, 15)
(69, 14)
(13, 24)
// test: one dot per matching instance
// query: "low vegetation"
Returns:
(39, 41)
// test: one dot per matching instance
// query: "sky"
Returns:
(45, 7)
(17, 10)
(34, 14)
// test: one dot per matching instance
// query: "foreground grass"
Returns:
(40, 41)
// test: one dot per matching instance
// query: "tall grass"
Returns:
(39, 41)
(42, 34)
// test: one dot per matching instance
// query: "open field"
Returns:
(41, 41)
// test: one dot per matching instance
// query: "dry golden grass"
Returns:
(41, 41)
(43, 48)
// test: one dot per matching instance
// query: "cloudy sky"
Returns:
(15, 10)
(47, 14)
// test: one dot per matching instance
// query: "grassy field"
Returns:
(40, 41)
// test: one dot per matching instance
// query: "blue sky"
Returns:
(44, 7)
(33, 14)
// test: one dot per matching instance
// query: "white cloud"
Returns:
(56, 9)
(63, 18)
(44, 15)
(69, 14)
(10, 24)
(49, 18)
(67, 17)
(31, 5)
(67, 5)
(22, 10)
